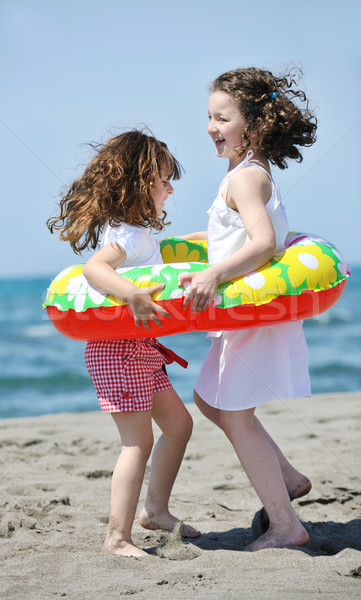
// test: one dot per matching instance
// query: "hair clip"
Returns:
(274, 95)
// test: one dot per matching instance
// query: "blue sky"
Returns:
(74, 71)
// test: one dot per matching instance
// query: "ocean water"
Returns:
(43, 372)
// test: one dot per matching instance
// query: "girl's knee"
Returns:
(199, 402)
(145, 442)
(182, 429)
(137, 454)
(146, 448)
(188, 426)
(140, 446)
(185, 428)
(240, 421)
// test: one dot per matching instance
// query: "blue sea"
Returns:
(43, 372)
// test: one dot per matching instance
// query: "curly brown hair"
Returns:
(268, 105)
(115, 187)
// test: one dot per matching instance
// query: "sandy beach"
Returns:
(55, 489)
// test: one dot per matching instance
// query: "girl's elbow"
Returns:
(273, 246)
(272, 241)
(270, 247)
(87, 271)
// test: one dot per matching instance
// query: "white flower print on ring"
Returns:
(308, 260)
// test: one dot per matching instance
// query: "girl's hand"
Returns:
(100, 273)
(201, 289)
(144, 308)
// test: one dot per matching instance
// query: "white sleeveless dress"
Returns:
(248, 367)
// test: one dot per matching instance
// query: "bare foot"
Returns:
(280, 539)
(122, 548)
(166, 522)
(298, 489)
(301, 488)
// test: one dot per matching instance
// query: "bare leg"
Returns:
(262, 467)
(297, 484)
(176, 424)
(137, 439)
(213, 414)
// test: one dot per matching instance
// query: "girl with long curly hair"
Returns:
(255, 119)
(121, 196)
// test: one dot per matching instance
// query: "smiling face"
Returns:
(226, 126)
(160, 191)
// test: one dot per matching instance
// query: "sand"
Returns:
(55, 487)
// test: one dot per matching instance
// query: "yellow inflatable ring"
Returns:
(300, 282)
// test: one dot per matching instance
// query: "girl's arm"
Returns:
(100, 273)
(197, 235)
(248, 191)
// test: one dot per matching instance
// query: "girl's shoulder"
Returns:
(250, 177)
(251, 182)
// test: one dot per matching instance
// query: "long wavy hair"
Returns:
(269, 106)
(115, 187)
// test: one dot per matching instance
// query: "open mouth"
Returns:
(218, 142)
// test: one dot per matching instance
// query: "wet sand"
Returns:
(55, 475)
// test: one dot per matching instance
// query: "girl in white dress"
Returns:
(254, 120)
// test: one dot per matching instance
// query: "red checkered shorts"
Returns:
(126, 373)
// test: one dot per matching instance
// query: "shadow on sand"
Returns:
(326, 538)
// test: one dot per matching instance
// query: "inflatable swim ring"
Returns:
(300, 282)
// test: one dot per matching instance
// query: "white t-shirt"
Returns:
(138, 242)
